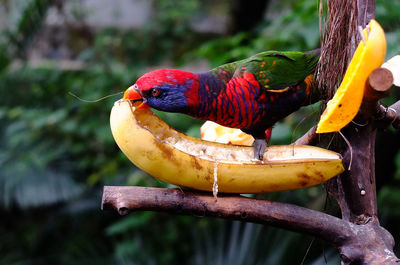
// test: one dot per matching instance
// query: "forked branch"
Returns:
(372, 240)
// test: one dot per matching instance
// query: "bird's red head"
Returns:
(165, 89)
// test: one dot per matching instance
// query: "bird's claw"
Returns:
(259, 148)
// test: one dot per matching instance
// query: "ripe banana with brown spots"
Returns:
(179, 159)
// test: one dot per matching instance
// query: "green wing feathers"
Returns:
(277, 71)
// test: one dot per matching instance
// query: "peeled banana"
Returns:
(179, 159)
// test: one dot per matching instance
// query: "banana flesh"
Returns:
(179, 159)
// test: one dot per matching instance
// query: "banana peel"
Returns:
(179, 159)
(344, 105)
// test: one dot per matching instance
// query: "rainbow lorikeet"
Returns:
(251, 94)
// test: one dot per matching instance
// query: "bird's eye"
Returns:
(155, 92)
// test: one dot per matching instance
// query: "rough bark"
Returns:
(358, 244)
(355, 189)
(234, 207)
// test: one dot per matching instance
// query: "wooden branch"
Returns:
(366, 11)
(388, 116)
(393, 115)
(234, 207)
(379, 81)
(355, 189)
(358, 183)
(309, 138)
(368, 242)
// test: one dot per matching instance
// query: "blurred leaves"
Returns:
(18, 37)
(238, 243)
(387, 13)
(44, 129)
(282, 31)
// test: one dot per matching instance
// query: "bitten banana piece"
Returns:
(179, 159)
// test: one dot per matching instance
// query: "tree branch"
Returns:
(388, 116)
(309, 138)
(371, 242)
(366, 11)
(234, 207)
(355, 189)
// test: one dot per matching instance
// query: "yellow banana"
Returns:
(344, 105)
(176, 158)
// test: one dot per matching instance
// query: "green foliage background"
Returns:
(57, 152)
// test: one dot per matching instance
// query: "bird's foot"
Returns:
(259, 148)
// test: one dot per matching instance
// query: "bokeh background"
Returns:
(57, 152)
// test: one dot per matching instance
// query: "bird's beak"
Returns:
(133, 94)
